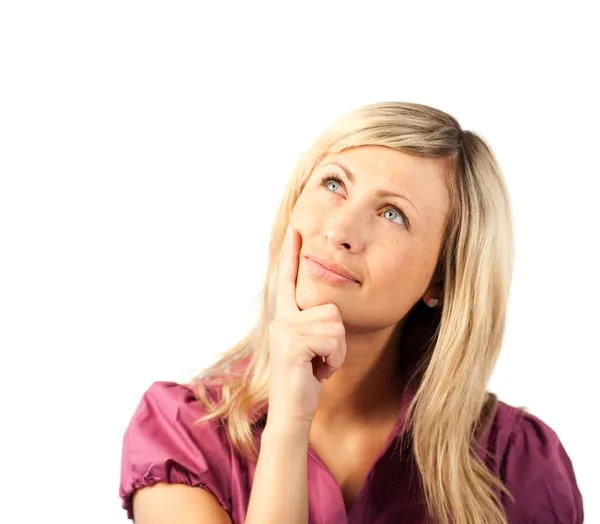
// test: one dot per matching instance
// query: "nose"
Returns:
(343, 230)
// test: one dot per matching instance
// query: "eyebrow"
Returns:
(382, 193)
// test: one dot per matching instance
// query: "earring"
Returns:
(432, 302)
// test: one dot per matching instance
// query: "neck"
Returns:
(367, 387)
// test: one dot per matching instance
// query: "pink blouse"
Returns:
(161, 445)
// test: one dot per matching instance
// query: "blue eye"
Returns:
(332, 178)
(394, 209)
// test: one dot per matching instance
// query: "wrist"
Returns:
(296, 431)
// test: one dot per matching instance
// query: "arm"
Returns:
(280, 487)
(540, 475)
(170, 474)
(305, 347)
(177, 504)
(279, 491)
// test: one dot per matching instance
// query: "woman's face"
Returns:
(380, 213)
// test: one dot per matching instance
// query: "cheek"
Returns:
(400, 270)
(307, 211)
(393, 272)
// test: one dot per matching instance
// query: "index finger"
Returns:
(288, 273)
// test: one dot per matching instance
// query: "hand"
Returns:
(305, 347)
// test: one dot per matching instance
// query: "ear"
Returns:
(435, 289)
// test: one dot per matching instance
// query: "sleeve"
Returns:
(539, 474)
(161, 444)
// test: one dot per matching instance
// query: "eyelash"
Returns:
(332, 176)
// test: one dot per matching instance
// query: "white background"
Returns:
(144, 147)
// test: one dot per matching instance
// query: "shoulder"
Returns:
(164, 443)
(172, 400)
(529, 457)
(168, 412)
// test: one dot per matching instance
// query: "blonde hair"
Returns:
(451, 351)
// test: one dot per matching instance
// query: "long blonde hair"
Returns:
(452, 351)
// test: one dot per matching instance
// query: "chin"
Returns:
(305, 302)
(311, 296)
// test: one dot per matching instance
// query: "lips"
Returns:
(333, 266)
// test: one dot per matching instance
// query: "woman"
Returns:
(360, 395)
